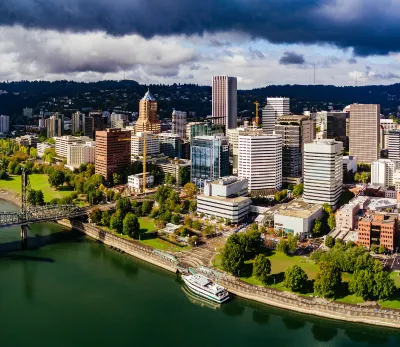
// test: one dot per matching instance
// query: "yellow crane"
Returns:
(145, 154)
(257, 104)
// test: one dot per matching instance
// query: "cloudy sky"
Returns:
(188, 41)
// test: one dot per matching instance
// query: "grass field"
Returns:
(38, 182)
(163, 245)
(146, 225)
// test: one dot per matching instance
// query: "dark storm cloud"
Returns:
(292, 58)
(372, 27)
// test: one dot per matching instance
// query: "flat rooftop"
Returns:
(298, 209)
(235, 200)
(380, 203)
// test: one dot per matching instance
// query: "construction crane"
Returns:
(146, 126)
(257, 104)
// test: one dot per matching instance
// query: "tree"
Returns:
(169, 179)
(384, 285)
(283, 246)
(188, 221)
(362, 284)
(193, 206)
(146, 208)
(163, 193)
(292, 242)
(261, 267)
(33, 152)
(382, 249)
(35, 197)
(131, 226)
(184, 175)
(196, 225)
(375, 248)
(331, 221)
(17, 170)
(233, 255)
(362, 177)
(327, 280)
(117, 178)
(95, 216)
(124, 206)
(190, 190)
(298, 190)
(329, 241)
(317, 227)
(279, 196)
(56, 178)
(175, 219)
(116, 222)
(11, 167)
(106, 218)
(295, 278)
(253, 239)
(3, 174)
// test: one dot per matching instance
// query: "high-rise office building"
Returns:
(113, 152)
(78, 154)
(393, 139)
(137, 142)
(118, 120)
(203, 129)
(210, 158)
(365, 132)
(179, 120)
(274, 108)
(387, 125)
(382, 172)
(260, 161)
(148, 119)
(323, 172)
(170, 145)
(224, 101)
(55, 125)
(333, 124)
(296, 131)
(4, 124)
(62, 143)
(83, 124)
(99, 121)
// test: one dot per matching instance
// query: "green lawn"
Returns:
(146, 225)
(38, 182)
(163, 245)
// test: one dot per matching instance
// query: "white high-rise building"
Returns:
(78, 154)
(118, 120)
(62, 143)
(275, 108)
(4, 124)
(323, 172)
(224, 101)
(179, 121)
(382, 172)
(393, 141)
(152, 144)
(260, 161)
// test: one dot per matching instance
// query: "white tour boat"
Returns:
(206, 288)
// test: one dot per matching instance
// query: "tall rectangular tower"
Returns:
(224, 101)
(275, 108)
(365, 132)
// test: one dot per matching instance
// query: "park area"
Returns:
(37, 182)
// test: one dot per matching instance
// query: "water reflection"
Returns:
(293, 324)
(323, 333)
(233, 308)
(377, 338)
(199, 301)
(260, 317)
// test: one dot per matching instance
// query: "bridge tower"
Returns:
(24, 207)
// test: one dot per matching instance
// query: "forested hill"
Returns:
(106, 95)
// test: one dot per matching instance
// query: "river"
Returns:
(76, 292)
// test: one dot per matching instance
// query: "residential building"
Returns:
(170, 145)
(28, 140)
(83, 124)
(62, 143)
(225, 198)
(118, 120)
(81, 153)
(296, 131)
(297, 218)
(224, 101)
(41, 148)
(260, 161)
(179, 120)
(382, 172)
(148, 118)
(347, 216)
(323, 172)
(113, 152)
(173, 168)
(4, 124)
(55, 125)
(233, 136)
(135, 182)
(365, 132)
(137, 142)
(210, 158)
(393, 144)
(275, 108)
(387, 125)
(99, 121)
(378, 229)
(42, 123)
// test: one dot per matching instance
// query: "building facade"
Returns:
(135, 182)
(364, 136)
(296, 131)
(137, 142)
(393, 144)
(382, 172)
(28, 140)
(275, 108)
(62, 143)
(41, 148)
(333, 124)
(113, 152)
(387, 125)
(210, 158)
(170, 145)
(83, 124)
(179, 121)
(224, 101)
(55, 125)
(260, 161)
(78, 154)
(148, 118)
(323, 172)
(4, 124)
(204, 129)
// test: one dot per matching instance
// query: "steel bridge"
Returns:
(30, 214)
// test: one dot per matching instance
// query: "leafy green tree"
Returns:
(175, 219)
(233, 255)
(331, 221)
(350, 244)
(117, 179)
(11, 167)
(56, 178)
(188, 221)
(317, 228)
(193, 206)
(29, 166)
(184, 176)
(283, 246)
(146, 208)
(382, 249)
(384, 286)
(295, 278)
(327, 280)
(116, 222)
(35, 197)
(169, 179)
(106, 218)
(253, 240)
(279, 196)
(364, 262)
(298, 190)
(163, 193)
(261, 268)
(196, 225)
(329, 241)
(33, 152)
(362, 284)
(375, 248)
(131, 226)
(190, 190)
(124, 206)
(17, 170)
(292, 241)
(95, 216)
(3, 174)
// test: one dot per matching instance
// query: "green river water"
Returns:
(76, 292)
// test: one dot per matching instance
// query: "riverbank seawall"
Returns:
(285, 300)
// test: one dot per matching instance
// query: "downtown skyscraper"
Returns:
(275, 108)
(224, 101)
